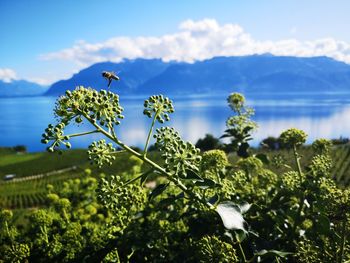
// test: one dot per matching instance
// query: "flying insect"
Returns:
(110, 76)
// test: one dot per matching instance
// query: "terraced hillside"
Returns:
(341, 160)
(35, 171)
(29, 189)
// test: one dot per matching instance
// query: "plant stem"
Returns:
(217, 176)
(138, 177)
(169, 176)
(297, 161)
(83, 133)
(301, 201)
(149, 134)
(343, 240)
(242, 251)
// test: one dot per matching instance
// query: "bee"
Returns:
(110, 76)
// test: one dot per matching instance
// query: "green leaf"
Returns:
(263, 157)
(240, 235)
(167, 201)
(205, 183)
(144, 176)
(243, 150)
(158, 190)
(322, 224)
(214, 199)
(180, 195)
(171, 199)
(191, 175)
(247, 129)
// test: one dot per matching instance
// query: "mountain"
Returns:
(254, 74)
(20, 88)
(132, 74)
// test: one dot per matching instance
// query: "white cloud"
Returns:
(42, 81)
(7, 75)
(197, 40)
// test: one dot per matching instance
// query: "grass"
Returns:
(9, 159)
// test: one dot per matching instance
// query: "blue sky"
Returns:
(45, 41)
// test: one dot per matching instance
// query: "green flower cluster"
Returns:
(321, 165)
(212, 249)
(158, 106)
(102, 107)
(250, 164)
(125, 200)
(178, 154)
(213, 161)
(236, 101)
(293, 137)
(291, 181)
(101, 153)
(307, 252)
(55, 134)
(322, 146)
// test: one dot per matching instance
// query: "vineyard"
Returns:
(341, 171)
(340, 157)
(28, 164)
(31, 191)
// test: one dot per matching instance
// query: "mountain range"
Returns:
(248, 74)
(21, 88)
(254, 74)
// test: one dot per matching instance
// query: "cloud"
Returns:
(196, 40)
(7, 75)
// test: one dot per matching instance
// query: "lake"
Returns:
(23, 120)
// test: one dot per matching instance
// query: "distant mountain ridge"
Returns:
(249, 74)
(132, 73)
(21, 88)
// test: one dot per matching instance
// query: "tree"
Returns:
(209, 142)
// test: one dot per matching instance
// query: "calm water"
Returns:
(24, 119)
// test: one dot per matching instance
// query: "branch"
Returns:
(149, 134)
(169, 176)
(81, 134)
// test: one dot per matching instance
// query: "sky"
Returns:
(45, 41)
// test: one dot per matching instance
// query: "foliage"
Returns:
(209, 142)
(188, 207)
(239, 126)
(271, 143)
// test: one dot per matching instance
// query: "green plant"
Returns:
(189, 207)
(239, 126)
(103, 111)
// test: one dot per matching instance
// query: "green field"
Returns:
(34, 171)
(28, 192)
(27, 164)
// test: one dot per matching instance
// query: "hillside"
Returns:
(249, 74)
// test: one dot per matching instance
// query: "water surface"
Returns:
(23, 120)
